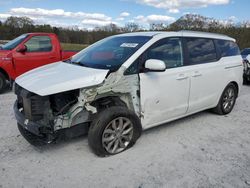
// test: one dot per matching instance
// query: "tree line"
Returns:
(15, 26)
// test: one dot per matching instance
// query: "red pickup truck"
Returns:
(27, 52)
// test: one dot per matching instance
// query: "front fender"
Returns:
(7, 68)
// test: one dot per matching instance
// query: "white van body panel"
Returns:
(60, 77)
(163, 96)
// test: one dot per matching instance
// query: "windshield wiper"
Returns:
(76, 63)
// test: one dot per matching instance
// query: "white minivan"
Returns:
(126, 83)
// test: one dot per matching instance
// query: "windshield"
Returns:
(245, 51)
(109, 53)
(13, 43)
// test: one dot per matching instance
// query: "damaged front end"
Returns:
(41, 115)
(70, 113)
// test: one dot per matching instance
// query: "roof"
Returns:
(183, 33)
(39, 33)
(205, 35)
(143, 33)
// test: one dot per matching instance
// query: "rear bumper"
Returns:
(30, 126)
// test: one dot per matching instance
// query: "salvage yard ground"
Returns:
(203, 150)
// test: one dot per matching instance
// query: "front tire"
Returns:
(114, 130)
(227, 100)
(3, 82)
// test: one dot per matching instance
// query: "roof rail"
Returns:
(201, 32)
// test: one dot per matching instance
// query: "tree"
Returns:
(19, 22)
(131, 27)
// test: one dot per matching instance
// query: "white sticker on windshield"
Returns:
(129, 45)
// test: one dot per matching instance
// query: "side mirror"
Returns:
(22, 49)
(155, 65)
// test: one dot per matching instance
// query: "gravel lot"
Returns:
(203, 150)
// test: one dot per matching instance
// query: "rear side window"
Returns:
(39, 44)
(227, 48)
(200, 50)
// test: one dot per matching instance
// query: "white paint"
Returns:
(164, 96)
(60, 77)
(155, 64)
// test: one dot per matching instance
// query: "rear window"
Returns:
(201, 50)
(227, 48)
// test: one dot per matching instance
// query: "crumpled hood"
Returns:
(60, 77)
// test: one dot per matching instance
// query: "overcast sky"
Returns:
(91, 13)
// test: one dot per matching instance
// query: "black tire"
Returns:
(220, 108)
(246, 81)
(3, 83)
(103, 120)
(31, 138)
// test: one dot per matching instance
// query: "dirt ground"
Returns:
(203, 150)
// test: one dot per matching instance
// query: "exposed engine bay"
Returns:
(77, 108)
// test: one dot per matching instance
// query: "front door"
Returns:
(164, 95)
(39, 52)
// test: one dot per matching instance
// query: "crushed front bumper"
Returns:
(45, 135)
(30, 126)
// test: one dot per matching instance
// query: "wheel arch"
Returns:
(5, 73)
(236, 86)
(108, 101)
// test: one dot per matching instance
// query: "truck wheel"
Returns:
(3, 82)
(31, 138)
(114, 130)
(227, 100)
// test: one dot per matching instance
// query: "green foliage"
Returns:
(15, 26)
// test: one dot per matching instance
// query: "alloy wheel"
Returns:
(117, 135)
(228, 99)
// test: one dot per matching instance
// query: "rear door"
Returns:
(40, 51)
(164, 95)
(205, 73)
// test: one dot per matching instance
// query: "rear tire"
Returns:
(3, 82)
(246, 81)
(227, 100)
(31, 138)
(114, 130)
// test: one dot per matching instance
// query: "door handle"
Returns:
(182, 77)
(53, 57)
(196, 74)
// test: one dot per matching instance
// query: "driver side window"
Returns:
(168, 50)
(39, 44)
